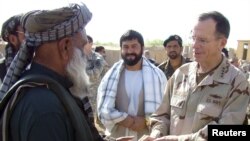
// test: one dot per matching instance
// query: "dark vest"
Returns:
(2, 69)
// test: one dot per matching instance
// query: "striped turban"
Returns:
(10, 27)
(41, 27)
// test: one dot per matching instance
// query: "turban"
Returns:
(43, 26)
(10, 27)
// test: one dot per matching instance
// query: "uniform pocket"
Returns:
(177, 101)
(177, 105)
(209, 110)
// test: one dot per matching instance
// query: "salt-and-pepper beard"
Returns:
(76, 72)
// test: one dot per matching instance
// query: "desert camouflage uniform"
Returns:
(248, 113)
(168, 69)
(95, 68)
(221, 97)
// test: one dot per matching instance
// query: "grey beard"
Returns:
(76, 72)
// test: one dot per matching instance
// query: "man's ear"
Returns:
(12, 39)
(223, 43)
(64, 46)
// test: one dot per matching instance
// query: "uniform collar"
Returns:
(221, 74)
(168, 64)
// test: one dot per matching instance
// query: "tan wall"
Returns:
(113, 53)
(240, 48)
(156, 53)
(112, 56)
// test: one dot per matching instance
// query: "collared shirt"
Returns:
(168, 69)
(221, 97)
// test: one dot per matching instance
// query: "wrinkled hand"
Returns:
(146, 138)
(167, 138)
(139, 124)
(126, 138)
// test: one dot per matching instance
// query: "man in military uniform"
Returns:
(207, 91)
(95, 67)
(173, 47)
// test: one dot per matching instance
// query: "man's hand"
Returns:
(139, 124)
(146, 138)
(126, 138)
(167, 138)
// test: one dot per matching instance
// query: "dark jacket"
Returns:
(40, 115)
(2, 69)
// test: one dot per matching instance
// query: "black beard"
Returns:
(132, 62)
(172, 55)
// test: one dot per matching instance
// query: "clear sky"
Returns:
(155, 19)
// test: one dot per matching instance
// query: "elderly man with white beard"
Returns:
(54, 49)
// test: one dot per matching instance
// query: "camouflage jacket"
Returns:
(95, 66)
(221, 97)
(168, 69)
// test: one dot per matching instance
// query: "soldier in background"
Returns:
(173, 47)
(101, 50)
(95, 69)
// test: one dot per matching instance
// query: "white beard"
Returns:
(76, 72)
